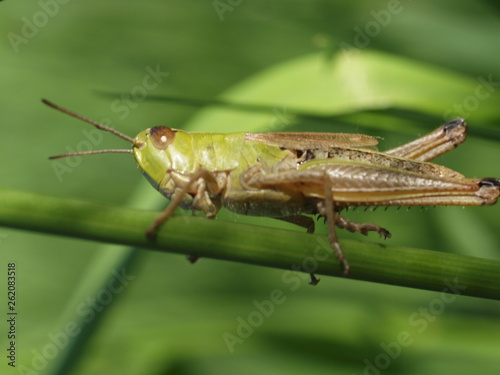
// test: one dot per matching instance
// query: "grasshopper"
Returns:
(289, 175)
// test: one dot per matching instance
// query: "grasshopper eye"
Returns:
(161, 136)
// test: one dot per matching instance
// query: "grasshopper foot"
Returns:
(151, 234)
(193, 258)
(314, 280)
(384, 233)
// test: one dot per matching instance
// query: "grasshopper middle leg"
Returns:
(327, 209)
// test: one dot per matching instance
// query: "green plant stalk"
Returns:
(289, 250)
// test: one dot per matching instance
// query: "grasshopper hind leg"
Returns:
(445, 138)
(326, 208)
(362, 228)
(334, 219)
(352, 226)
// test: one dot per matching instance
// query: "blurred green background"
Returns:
(394, 69)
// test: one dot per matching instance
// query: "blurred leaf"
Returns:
(353, 82)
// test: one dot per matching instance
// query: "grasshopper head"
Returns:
(151, 154)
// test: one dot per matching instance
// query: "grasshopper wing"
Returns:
(314, 141)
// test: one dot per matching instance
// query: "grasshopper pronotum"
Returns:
(287, 175)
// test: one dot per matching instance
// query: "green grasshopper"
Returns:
(287, 175)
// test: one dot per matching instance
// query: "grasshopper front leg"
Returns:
(196, 185)
(196, 181)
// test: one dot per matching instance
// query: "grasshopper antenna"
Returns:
(97, 125)
(87, 120)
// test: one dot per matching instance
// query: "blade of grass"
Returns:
(287, 250)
